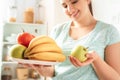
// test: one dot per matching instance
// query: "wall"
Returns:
(1, 38)
(60, 16)
(3, 10)
(55, 15)
(107, 11)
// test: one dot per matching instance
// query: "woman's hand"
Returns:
(91, 56)
(44, 70)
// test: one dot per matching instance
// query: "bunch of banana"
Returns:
(44, 48)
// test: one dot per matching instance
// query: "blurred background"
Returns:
(45, 14)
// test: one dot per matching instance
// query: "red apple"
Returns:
(24, 38)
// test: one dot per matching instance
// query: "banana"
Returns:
(47, 56)
(39, 40)
(44, 48)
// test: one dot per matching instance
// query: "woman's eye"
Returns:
(75, 1)
(64, 6)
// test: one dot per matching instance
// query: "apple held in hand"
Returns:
(24, 38)
(17, 51)
(79, 52)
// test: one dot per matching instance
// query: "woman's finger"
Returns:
(87, 62)
(77, 62)
(74, 61)
(24, 65)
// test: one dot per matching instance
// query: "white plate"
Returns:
(34, 62)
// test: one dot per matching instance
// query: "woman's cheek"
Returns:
(67, 13)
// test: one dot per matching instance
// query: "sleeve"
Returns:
(59, 29)
(113, 35)
(53, 33)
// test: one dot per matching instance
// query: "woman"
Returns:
(103, 63)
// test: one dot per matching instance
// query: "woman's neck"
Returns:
(86, 22)
(79, 30)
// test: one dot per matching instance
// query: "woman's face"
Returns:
(75, 9)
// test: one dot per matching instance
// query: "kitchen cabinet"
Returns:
(9, 35)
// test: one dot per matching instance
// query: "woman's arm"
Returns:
(105, 70)
(110, 68)
(45, 70)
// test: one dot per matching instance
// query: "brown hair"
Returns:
(90, 7)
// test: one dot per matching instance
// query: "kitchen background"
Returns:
(50, 13)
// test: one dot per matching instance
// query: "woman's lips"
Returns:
(75, 14)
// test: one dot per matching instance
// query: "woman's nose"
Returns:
(70, 9)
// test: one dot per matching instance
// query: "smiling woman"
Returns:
(84, 30)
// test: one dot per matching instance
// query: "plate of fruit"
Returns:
(36, 50)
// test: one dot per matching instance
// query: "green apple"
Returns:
(79, 52)
(17, 51)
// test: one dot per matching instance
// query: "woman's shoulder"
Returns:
(62, 26)
(59, 28)
(106, 26)
(111, 32)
